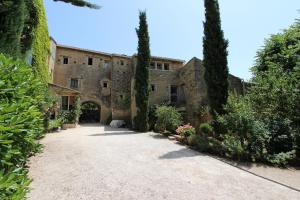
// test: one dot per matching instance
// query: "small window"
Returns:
(65, 60)
(152, 65)
(106, 65)
(159, 66)
(105, 84)
(166, 66)
(90, 61)
(74, 83)
(122, 62)
(153, 88)
(121, 96)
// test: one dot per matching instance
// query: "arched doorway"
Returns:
(90, 112)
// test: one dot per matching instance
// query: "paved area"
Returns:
(94, 162)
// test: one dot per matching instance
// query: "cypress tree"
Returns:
(215, 58)
(142, 75)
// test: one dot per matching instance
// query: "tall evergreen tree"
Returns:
(142, 75)
(215, 58)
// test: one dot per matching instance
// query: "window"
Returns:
(64, 102)
(152, 65)
(90, 61)
(65, 60)
(174, 93)
(159, 66)
(153, 88)
(106, 65)
(122, 62)
(74, 83)
(105, 84)
(166, 66)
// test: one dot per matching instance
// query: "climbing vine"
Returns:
(41, 43)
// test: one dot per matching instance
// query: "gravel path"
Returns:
(99, 163)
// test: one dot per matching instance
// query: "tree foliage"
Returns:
(80, 3)
(215, 57)
(275, 92)
(142, 75)
(265, 124)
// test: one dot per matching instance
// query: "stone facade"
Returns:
(108, 81)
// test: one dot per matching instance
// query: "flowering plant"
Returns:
(186, 130)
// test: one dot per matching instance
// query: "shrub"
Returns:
(67, 117)
(206, 129)
(14, 184)
(208, 145)
(240, 124)
(168, 118)
(152, 117)
(186, 130)
(233, 147)
(56, 123)
(191, 140)
(21, 121)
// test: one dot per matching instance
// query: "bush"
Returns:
(67, 117)
(186, 130)
(21, 120)
(206, 129)
(208, 145)
(168, 118)
(233, 147)
(242, 132)
(53, 124)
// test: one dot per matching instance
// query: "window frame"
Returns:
(159, 66)
(166, 65)
(65, 58)
(105, 84)
(90, 61)
(76, 80)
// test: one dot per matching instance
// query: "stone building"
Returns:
(107, 81)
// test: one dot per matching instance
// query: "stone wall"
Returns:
(108, 81)
(90, 77)
(236, 85)
(121, 87)
(194, 87)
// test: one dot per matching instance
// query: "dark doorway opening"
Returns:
(90, 113)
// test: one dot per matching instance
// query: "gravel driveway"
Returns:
(94, 162)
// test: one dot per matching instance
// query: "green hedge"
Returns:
(21, 123)
(41, 43)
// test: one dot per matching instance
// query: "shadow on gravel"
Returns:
(158, 136)
(114, 133)
(182, 153)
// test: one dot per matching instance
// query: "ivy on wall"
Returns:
(41, 43)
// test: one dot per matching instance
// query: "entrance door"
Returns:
(90, 113)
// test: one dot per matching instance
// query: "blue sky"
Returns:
(175, 27)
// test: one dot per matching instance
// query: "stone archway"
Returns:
(91, 112)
